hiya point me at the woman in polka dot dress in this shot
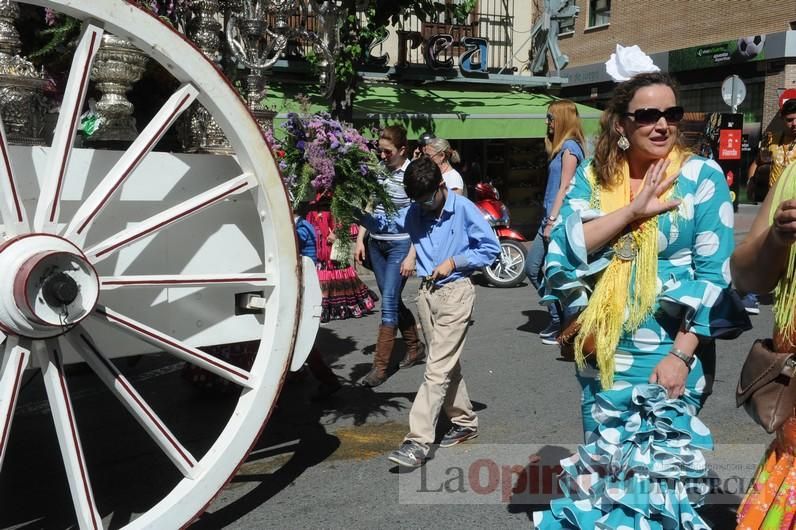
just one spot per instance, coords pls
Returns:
(641, 256)
(770, 502)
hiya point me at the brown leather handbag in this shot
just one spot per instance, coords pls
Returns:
(566, 340)
(767, 388)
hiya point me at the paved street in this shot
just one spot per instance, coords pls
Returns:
(327, 466)
(324, 465)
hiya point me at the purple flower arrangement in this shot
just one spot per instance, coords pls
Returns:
(323, 159)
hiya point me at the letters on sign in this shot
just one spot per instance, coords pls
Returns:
(475, 48)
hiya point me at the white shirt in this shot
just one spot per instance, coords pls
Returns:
(453, 180)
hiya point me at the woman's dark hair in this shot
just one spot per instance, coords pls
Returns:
(789, 107)
(607, 155)
(422, 176)
(395, 134)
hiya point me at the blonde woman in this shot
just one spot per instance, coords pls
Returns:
(564, 144)
(440, 151)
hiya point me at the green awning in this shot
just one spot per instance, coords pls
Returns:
(450, 114)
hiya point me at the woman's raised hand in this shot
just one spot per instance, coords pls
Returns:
(784, 227)
(648, 201)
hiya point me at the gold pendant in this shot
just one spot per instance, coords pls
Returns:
(626, 247)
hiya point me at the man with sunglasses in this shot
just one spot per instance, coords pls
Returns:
(451, 240)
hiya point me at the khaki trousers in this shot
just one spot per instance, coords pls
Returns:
(445, 318)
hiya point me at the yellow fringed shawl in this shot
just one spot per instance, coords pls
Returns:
(611, 309)
(785, 292)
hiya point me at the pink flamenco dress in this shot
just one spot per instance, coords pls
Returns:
(344, 294)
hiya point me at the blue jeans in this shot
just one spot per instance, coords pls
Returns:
(386, 258)
(533, 268)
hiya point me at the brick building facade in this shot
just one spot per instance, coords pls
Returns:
(664, 26)
(700, 43)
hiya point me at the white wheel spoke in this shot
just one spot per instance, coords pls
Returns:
(184, 280)
(13, 365)
(130, 160)
(15, 219)
(133, 401)
(175, 346)
(179, 212)
(50, 360)
(46, 217)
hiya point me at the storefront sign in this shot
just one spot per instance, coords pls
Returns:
(436, 46)
(729, 150)
(729, 52)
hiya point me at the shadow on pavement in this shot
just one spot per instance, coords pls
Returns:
(537, 484)
(295, 439)
(537, 320)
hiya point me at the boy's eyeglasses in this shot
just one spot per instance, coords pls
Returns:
(651, 116)
(430, 201)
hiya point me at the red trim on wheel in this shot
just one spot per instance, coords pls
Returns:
(181, 282)
(75, 440)
(73, 126)
(12, 404)
(15, 196)
(122, 381)
(169, 220)
(22, 282)
(207, 359)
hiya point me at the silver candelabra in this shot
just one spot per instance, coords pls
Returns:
(259, 34)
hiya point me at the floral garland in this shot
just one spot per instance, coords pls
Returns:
(324, 159)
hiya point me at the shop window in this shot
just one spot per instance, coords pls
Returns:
(599, 13)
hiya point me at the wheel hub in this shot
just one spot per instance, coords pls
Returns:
(50, 286)
(59, 289)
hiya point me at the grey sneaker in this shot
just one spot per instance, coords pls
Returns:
(552, 330)
(410, 454)
(458, 434)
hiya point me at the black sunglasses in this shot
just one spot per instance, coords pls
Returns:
(650, 116)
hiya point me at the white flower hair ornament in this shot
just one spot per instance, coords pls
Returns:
(627, 62)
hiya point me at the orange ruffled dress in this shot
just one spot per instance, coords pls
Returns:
(770, 502)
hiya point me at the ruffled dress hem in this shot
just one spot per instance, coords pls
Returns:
(643, 468)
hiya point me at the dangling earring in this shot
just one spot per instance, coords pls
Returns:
(623, 143)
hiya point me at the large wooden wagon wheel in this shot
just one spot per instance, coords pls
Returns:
(58, 289)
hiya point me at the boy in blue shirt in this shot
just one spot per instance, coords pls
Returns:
(451, 239)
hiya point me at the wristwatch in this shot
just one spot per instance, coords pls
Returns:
(689, 360)
(552, 218)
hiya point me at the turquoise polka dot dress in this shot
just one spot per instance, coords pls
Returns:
(642, 465)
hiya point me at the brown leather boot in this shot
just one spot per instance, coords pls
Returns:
(381, 357)
(415, 349)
